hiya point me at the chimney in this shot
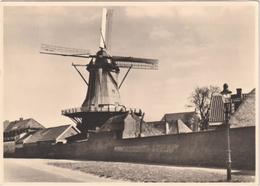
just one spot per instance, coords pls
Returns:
(6, 123)
(20, 119)
(239, 92)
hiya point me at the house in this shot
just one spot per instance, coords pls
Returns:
(238, 98)
(190, 119)
(48, 136)
(170, 126)
(126, 125)
(16, 129)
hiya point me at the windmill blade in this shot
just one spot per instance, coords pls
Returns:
(103, 29)
(106, 28)
(109, 19)
(67, 55)
(135, 59)
(135, 63)
(64, 51)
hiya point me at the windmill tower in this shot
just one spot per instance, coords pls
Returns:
(103, 98)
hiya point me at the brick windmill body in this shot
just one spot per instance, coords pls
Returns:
(103, 98)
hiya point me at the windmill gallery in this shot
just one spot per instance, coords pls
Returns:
(108, 130)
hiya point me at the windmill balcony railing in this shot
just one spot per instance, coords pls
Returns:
(101, 108)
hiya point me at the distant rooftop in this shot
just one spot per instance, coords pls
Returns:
(23, 124)
(50, 134)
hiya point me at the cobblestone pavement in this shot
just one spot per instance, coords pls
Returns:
(135, 172)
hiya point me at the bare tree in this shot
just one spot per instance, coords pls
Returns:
(200, 98)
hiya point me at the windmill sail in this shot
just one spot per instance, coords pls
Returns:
(103, 29)
(106, 28)
(135, 63)
(63, 51)
(109, 28)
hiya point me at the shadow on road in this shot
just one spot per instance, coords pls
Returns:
(244, 172)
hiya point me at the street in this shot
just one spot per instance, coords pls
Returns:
(50, 170)
(37, 170)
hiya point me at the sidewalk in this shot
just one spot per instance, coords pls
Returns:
(135, 172)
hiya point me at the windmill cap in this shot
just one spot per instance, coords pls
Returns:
(101, 53)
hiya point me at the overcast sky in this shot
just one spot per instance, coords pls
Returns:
(196, 45)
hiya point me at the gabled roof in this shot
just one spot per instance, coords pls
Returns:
(49, 134)
(184, 116)
(23, 124)
(245, 114)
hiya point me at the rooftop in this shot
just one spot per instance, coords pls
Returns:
(49, 134)
(23, 124)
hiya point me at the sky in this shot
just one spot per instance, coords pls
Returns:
(196, 45)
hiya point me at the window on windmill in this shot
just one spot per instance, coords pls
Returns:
(113, 90)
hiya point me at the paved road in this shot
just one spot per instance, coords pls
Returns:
(37, 170)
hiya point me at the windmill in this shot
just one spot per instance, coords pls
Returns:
(103, 98)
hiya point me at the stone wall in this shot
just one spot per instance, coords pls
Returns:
(9, 148)
(196, 149)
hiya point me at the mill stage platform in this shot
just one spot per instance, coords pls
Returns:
(89, 118)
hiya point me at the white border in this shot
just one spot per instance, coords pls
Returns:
(201, 3)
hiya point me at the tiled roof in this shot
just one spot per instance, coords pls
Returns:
(23, 124)
(47, 134)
